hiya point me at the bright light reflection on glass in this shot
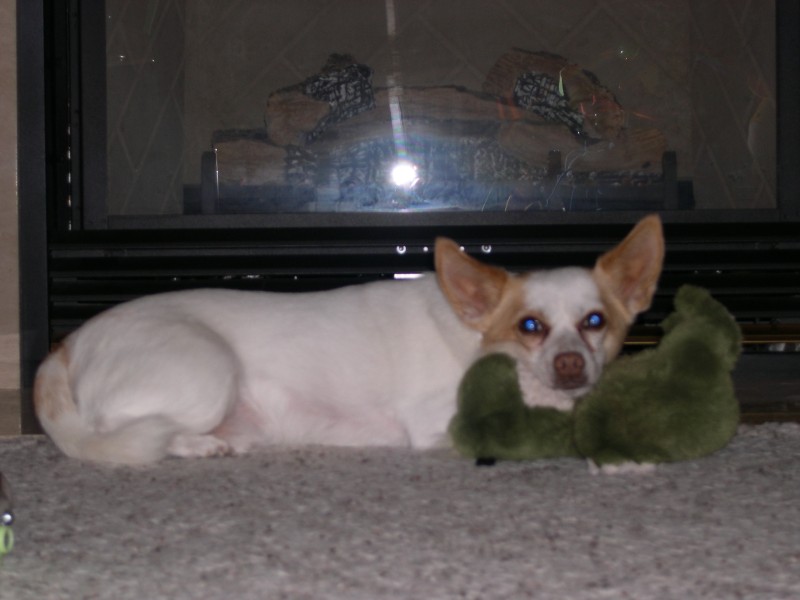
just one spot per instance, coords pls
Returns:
(404, 174)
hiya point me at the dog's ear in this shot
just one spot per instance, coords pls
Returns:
(473, 288)
(630, 271)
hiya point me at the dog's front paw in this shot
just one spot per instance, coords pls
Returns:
(623, 468)
(198, 446)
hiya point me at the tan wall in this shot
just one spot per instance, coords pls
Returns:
(9, 252)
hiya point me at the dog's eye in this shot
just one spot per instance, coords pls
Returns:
(531, 325)
(594, 320)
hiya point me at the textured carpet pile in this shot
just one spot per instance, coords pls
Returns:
(371, 524)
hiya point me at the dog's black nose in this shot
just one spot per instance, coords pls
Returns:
(569, 369)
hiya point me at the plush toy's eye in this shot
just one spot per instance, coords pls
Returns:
(594, 320)
(531, 325)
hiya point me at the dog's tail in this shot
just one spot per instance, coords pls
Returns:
(139, 441)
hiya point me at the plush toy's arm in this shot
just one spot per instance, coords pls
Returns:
(493, 422)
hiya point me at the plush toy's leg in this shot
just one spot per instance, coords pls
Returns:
(675, 401)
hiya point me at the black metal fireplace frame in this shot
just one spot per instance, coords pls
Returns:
(73, 265)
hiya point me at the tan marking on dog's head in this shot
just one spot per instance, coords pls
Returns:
(512, 308)
(558, 300)
(618, 322)
(51, 394)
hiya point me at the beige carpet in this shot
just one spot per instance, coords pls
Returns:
(357, 524)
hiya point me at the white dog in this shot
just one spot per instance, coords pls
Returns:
(209, 372)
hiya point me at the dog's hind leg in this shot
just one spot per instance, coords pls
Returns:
(191, 445)
(137, 441)
(106, 398)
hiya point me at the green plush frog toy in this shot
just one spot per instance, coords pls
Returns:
(672, 402)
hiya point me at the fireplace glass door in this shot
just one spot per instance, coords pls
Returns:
(394, 106)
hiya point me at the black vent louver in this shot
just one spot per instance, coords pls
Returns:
(757, 275)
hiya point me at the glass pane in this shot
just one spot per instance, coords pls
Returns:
(412, 105)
